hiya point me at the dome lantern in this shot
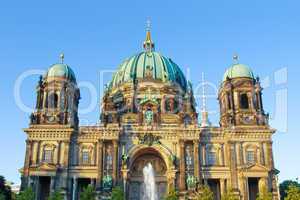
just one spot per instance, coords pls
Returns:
(61, 70)
(237, 70)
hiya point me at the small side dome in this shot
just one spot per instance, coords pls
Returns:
(238, 70)
(61, 70)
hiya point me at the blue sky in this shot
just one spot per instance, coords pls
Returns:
(198, 35)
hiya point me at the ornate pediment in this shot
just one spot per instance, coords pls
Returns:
(254, 167)
(45, 167)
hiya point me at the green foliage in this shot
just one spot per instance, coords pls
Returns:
(5, 190)
(293, 193)
(88, 193)
(27, 194)
(172, 195)
(205, 193)
(2, 196)
(283, 187)
(264, 195)
(56, 195)
(229, 195)
(117, 193)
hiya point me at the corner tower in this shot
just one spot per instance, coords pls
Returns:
(240, 97)
(57, 97)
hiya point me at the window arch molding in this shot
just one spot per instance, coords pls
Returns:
(250, 153)
(213, 154)
(48, 152)
(86, 154)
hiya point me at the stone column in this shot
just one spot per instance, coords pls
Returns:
(37, 187)
(34, 153)
(196, 159)
(261, 157)
(38, 152)
(125, 179)
(182, 167)
(221, 154)
(27, 157)
(222, 186)
(204, 154)
(99, 163)
(238, 154)
(74, 188)
(66, 154)
(242, 187)
(59, 152)
(115, 162)
(52, 184)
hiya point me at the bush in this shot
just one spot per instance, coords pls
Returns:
(283, 187)
(229, 195)
(56, 195)
(5, 190)
(293, 193)
(172, 195)
(88, 193)
(27, 194)
(117, 193)
(205, 193)
(264, 195)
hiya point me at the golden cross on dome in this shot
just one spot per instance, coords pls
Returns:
(148, 44)
(148, 25)
(62, 57)
(236, 58)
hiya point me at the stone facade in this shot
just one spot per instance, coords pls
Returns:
(148, 119)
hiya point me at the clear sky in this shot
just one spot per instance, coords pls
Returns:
(200, 36)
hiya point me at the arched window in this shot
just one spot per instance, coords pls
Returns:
(228, 100)
(48, 154)
(211, 158)
(85, 157)
(244, 101)
(53, 100)
(250, 156)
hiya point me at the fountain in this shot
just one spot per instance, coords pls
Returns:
(149, 183)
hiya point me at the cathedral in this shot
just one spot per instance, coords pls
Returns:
(148, 116)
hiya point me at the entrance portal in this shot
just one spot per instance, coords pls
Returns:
(44, 186)
(136, 181)
(253, 188)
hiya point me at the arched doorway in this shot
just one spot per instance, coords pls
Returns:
(136, 180)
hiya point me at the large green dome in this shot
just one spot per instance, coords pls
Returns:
(238, 71)
(138, 67)
(61, 70)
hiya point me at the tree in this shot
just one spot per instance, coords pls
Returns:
(56, 195)
(293, 193)
(2, 196)
(205, 193)
(88, 193)
(27, 194)
(172, 195)
(5, 190)
(117, 193)
(283, 187)
(229, 195)
(264, 195)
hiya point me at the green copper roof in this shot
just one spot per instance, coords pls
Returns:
(238, 71)
(149, 63)
(61, 70)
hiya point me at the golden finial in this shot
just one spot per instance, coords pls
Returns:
(148, 44)
(62, 57)
(236, 58)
